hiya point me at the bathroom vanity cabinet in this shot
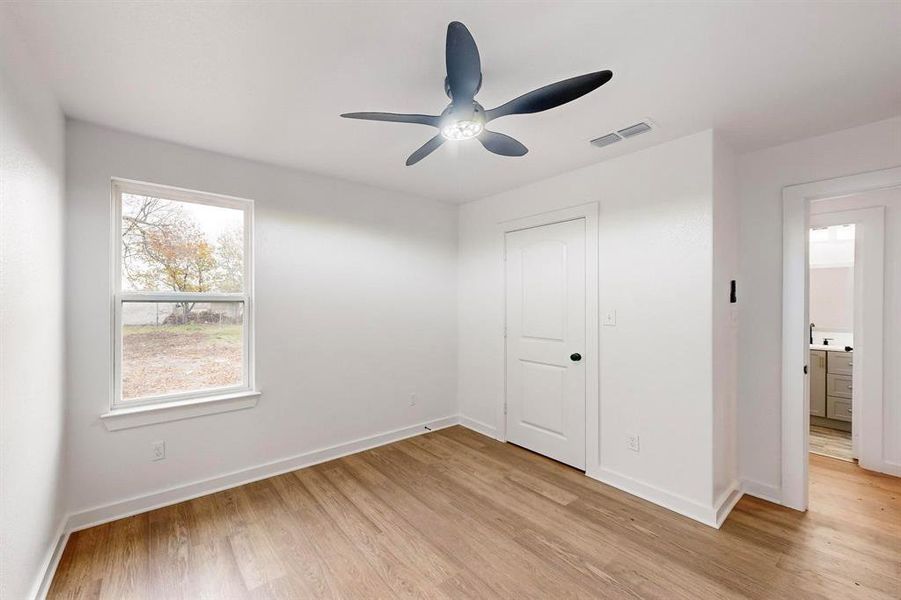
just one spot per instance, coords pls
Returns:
(831, 385)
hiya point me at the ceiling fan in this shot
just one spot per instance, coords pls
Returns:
(464, 118)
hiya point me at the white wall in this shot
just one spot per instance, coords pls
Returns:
(656, 271)
(725, 319)
(832, 252)
(355, 310)
(831, 300)
(831, 286)
(31, 317)
(762, 175)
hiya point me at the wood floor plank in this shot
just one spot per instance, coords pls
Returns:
(405, 540)
(348, 573)
(126, 573)
(494, 558)
(366, 536)
(537, 510)
(831, 442)
(454, 514)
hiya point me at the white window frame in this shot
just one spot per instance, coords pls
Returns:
(119, 297)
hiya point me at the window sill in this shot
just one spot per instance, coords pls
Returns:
(151, 414)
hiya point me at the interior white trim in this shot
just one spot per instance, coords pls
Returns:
(479, 427)
(150, 414)
(891, 468)
(589, 212)
(764, 491)
(726, 502)
(118, 296)
(139, 504)
(795, 318)
(51, 562)
(713, 515)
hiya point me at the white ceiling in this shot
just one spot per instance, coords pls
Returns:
(267, 81)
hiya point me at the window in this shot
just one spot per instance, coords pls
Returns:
(182, 294)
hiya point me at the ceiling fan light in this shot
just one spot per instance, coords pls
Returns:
(462, 130)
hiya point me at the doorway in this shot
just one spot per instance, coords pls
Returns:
(832, 298)
(874, 414)
(546, 288)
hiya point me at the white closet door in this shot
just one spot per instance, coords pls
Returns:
(545, 298)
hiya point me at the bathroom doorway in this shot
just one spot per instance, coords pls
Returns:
(860, 382)
(831, 307)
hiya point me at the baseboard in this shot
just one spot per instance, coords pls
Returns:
(51, 560)
(885, 467)
(132, 506)
(713, 516)
(678, 504)
(891, 468)
(478, 427)
(764, 491)
(139, 504)
(726, 502)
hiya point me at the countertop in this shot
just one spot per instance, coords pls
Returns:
(830, 347)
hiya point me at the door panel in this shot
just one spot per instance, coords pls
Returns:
(545, 299)
(543, 290)
(543, 394)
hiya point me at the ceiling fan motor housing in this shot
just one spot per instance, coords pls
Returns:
(469, 111)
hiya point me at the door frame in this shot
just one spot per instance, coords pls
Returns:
(589, 212)
(796, 202)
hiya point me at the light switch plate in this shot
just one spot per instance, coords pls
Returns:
(609, 319)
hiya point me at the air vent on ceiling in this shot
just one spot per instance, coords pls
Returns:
(606, 140)
(626, 132)
(634, 129)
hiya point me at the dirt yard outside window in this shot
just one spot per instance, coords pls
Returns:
(168, 359)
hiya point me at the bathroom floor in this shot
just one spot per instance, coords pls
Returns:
(831, 442)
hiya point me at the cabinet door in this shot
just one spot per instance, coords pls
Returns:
(838, 408)
(838, 385)
(818, 383)
(840, 363)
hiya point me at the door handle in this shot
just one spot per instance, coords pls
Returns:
(575, 357)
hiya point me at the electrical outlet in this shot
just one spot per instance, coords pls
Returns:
(413, 399)
(632, 442)
(157, 451)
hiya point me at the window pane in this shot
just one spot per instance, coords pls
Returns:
(175, 347)
(169, 245)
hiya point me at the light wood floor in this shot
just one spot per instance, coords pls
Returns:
(453, 514)
(831, 442)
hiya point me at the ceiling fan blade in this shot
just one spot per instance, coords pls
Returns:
(394, 118)
(551, 96)
(501, 144)
(426, 149)
(464, 69)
